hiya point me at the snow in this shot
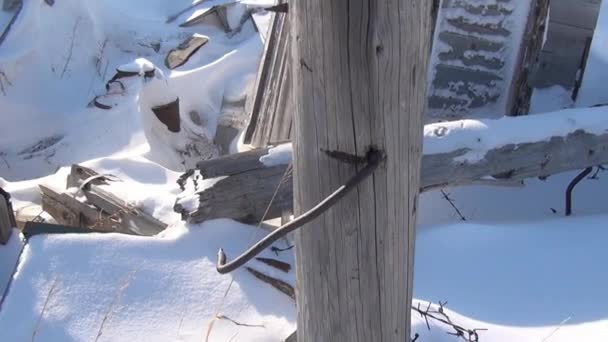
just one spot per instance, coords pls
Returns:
(140, 65)
(515, 267)
(549, 99)
(147, 289)
(481, 136)
(278, 155)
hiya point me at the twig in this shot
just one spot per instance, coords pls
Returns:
(44, 306)
(451, 201)
(278, 264)
(71, 49)
(597, 171)
(276, 283)
(124, 284)
(556, 329)
(439, 315)
(4, 79)
(224, 317)
(276, 250)
(217, 313)
(3, 156)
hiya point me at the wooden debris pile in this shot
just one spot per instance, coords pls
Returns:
(87, 204)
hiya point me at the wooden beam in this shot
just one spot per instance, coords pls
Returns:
(269, 107)
(510, 163)
(359, 70)
(520, 91)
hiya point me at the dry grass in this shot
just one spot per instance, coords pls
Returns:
(44, 308)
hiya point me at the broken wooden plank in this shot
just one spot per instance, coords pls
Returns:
(69, 211)
(8, 27)
(38, 228)
(293, 337)
(131, 218)
(232, 164)
(248, 193)
(269, 107)
(218, 10)
(245, 197)
(278, 264)
(182, 53)
(103, 211)
(7, 217)
(276, 283)
(520, 90)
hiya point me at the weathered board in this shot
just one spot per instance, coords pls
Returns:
(477, 54)
(478, 67)
(249, 186)
(269, 107)
(520, 93)
(571, 26)
(6, 220)
(102, 211)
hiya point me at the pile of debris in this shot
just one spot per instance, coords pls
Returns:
(87, 205)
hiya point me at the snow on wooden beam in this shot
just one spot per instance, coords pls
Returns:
(455, 153)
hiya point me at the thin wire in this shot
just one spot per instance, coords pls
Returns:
(287, 172)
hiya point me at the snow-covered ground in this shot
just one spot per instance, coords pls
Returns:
(516, 267)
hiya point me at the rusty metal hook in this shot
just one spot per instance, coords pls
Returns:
(374, 158)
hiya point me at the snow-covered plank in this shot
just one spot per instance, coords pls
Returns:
(476, 54)
(463, 152)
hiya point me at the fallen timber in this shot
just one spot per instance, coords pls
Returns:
(467, 152)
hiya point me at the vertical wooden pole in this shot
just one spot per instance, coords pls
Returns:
(359, 80)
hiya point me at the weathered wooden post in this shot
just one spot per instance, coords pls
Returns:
(359, 69)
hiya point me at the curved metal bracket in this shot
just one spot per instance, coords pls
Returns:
(374, 158)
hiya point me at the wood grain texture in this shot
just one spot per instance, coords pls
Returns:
(359, 80)
(520, 91)
(5, 223)
(232, 196)
(270, 106)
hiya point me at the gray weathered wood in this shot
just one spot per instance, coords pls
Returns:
(134, 219)
(103, 211)
(227, 199)
(5, 222)
(9, 5)
(69, 211)
(232, 164)
(509, 164)
(180, 55)
(520, 91)
(293, 337)
(359, 71)
(571, 24)
(220, 12)
(7, 28)
(270, 108)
